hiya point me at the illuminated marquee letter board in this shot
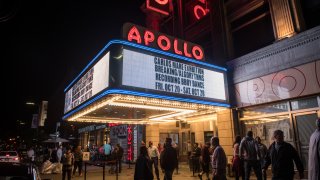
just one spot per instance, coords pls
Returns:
(167, 75)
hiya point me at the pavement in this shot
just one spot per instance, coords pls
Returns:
(96, 173)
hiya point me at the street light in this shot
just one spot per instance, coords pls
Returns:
(30, 103)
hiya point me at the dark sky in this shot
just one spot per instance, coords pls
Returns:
(47, 43)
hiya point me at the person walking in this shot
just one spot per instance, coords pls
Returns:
(67, 162)
(154, 155)
(314, 154)
(205, 161)
(281, 156)
(59, 154)
(143, 167)
(30, 154)
(168, 159)
(263, 151)
(196, 153)
(249, 152)
(107, 150)
(119, 157)
(160, 147)
(77, 161)
(176, 147)
(101, 153)
(189, 151)
(237, 163)
(218, 161)
(113, 160)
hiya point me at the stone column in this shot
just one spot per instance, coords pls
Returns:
(226, 132)
(152, 134)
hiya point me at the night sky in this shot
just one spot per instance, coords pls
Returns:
(45, 44)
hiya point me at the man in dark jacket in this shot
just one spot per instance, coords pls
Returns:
(119, 157)
(281, 156)
(168, 159)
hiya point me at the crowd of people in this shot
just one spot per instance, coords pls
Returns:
(72, 161)
(168, 155)
(249, 153)
(149, 157)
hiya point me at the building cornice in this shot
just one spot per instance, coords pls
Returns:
(290, 52)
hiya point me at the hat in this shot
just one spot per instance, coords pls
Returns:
(168, 140)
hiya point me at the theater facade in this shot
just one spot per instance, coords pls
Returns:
(147, 87)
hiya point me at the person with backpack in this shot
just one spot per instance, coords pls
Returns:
(249, 152)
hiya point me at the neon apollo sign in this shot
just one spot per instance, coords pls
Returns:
(140, 35)
(163, 7)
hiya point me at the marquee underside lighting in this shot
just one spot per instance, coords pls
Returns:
(133, 109)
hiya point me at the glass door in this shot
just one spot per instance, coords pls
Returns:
(305, 126)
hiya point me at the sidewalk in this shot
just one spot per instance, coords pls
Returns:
(95, 173)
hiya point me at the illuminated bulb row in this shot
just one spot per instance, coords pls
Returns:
(146, 106)
(167, 102)
(156, 101)
(206, 118)
(90, 109)
(171, 115)
(146, 103)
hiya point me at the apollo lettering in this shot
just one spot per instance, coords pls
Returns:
(165, 43)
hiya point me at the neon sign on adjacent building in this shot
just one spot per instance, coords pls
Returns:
(141, 35)
(200, 10)
(159, 6)
(130, 144)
